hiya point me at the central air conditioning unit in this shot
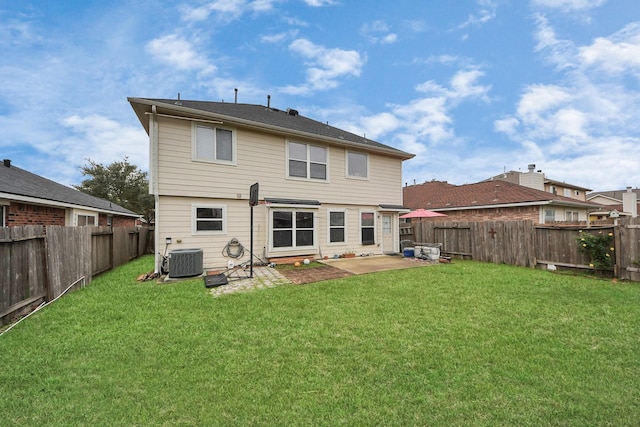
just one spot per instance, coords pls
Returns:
(185, 262)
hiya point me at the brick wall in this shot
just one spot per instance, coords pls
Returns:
(122, 221)
(24, 214)
(497, 214)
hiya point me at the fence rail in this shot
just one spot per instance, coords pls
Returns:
(38, 263)
(526, 244)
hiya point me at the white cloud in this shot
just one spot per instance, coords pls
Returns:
(617, 54)
(463, 85)
(319, 3)
(590, 116)
(378, 32)
(508, 125)
(486, 13)
(103, 140)
(279, 37)
(561, 53)
(179, 53)
(225, 10)
(569, 5)
(324, 66)
(425, 123)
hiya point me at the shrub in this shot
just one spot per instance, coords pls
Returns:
(598, 247)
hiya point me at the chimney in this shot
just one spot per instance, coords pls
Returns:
(531, 167)
(7, 162)
(630, 202)
(236, 91)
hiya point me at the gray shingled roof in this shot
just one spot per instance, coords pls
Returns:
(19, 182)
(272, 117)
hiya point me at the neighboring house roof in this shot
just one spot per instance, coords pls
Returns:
(565, 185)
(614, 194)
(605, 209)
(19, 184)
(267, 118)
(441, 196)
(514, 177)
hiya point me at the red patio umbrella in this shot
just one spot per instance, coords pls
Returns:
(422, 213)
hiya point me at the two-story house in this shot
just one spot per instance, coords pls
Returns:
(322, 191)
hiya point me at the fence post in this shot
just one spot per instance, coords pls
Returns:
(617, 248)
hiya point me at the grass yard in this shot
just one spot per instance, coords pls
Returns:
(458, 344)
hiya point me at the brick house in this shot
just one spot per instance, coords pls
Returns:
(29, 199)
(495, 200)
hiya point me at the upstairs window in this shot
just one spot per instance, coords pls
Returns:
(357, 165)
(213, 144)
(307, 161)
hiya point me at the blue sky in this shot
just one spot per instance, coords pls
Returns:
(472, 87)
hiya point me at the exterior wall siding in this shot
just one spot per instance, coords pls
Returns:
(179, 175)
(177, 223)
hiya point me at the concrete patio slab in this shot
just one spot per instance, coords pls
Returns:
(374, 263)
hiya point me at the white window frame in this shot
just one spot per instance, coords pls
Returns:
(329, 227)
(308, 162)
(294, 247)
(360, 226)
(547, 218)
(194, 219)
(86, 215)
(347, 169)
(566, 192)
(575, 215)
(194, 144)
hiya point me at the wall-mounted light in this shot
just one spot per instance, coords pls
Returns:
(168, 240)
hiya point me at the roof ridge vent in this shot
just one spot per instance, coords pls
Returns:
(292, 112)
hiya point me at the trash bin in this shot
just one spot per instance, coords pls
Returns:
(408, 252)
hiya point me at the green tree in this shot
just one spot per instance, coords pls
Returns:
(119, 182)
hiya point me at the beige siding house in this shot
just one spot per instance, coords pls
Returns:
(322, 191)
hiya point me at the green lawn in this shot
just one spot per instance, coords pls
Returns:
(458, 344)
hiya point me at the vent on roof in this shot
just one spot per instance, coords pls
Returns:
(7, 162)
(292, 112)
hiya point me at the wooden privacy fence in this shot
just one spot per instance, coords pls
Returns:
(39, 263)
(525, 244)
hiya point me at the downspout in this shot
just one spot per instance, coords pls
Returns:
(153, 184)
